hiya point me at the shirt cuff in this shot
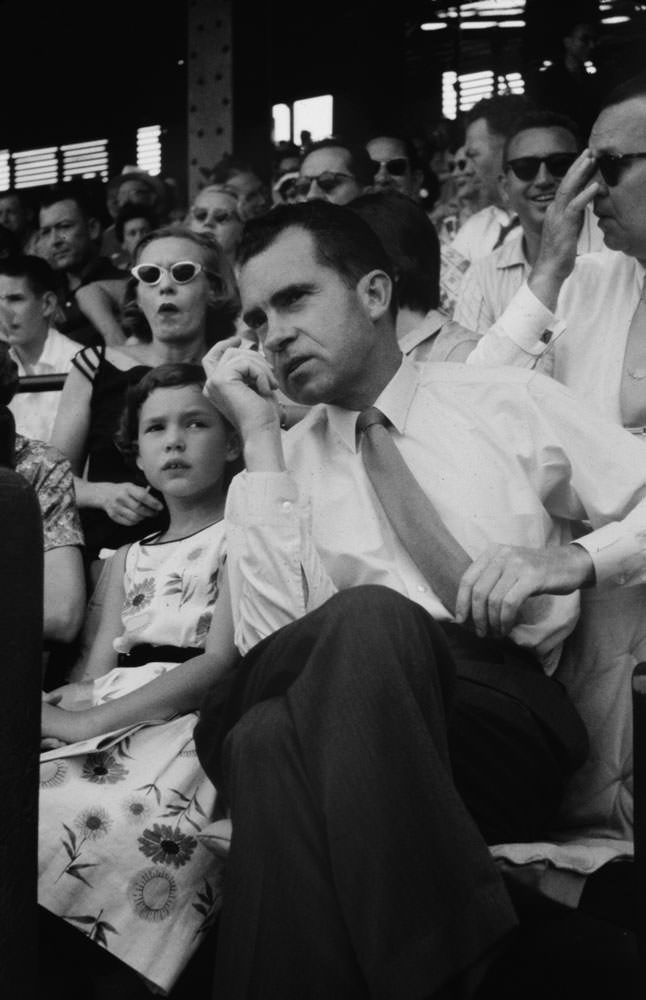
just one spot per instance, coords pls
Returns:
(526, 320)
(262, 498)
(618, 555)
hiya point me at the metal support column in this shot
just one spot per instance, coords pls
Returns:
(210, 86)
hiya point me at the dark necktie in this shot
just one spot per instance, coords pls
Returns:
(429, 543)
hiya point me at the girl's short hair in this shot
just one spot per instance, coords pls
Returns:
(224, 304)
(169, 376)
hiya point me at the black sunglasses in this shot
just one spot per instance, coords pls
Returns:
(526, 167)
(328, 181)
(612, 165)
(396, 167)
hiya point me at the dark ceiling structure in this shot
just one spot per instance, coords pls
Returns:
(76, 70)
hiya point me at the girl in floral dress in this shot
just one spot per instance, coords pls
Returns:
(123, 798)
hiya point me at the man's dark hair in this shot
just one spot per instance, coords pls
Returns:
(343, 242)
(70, 192)
(134, 211)
(541, 119)
(411, 242)
(40, 276)
(635, 87)
(410, 149)
(362, 167)
(500, 113)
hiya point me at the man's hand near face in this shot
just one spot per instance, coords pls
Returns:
(561, 229)
(241, 384)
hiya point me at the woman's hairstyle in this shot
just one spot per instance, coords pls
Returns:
(410, 240)
(169, 376)
(224, 304)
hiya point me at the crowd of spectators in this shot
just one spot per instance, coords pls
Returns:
(451, 285)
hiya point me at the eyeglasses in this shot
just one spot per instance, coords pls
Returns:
(328, 182)
(526, 167)
(612, 165)
(219, 218)
(460, 164)
(182, 271)
(396, 167)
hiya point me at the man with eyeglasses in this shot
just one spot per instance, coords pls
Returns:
(590, 311)
(335, 171)
(397, 165)
(537, 155)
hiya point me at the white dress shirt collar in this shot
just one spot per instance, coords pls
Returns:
(394, 402)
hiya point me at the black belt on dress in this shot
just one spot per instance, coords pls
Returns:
(147, 653)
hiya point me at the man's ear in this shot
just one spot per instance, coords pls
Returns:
(375, 292)
(234, 446)
(138, 461)
(49, 304)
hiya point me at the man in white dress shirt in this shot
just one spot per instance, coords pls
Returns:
(365, 714)
(593, 306)
(28, 296)
(542, 147)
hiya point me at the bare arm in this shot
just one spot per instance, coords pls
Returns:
(125, 503)
(101, 303)
(64, 604)
(176, 692)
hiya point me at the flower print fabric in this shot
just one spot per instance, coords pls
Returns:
(119, 855)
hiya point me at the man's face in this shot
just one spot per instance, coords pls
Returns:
(25, 314)
(530, 198)
(484, 148)
(65, 236)
(394, 169)
(12, 216)
(315, 330)
(622, 208)
(329, 175)
(135, 192)
(250, 192)
(133, 231)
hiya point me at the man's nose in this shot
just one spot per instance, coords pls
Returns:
(277, 335)
(544, 178)
(382, 177)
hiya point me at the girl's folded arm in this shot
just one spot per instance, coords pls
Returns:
(174, 693)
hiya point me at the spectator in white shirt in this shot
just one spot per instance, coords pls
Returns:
(29, 299)
(592, 305)
(332, 745)
(542, 147)
(488, 124)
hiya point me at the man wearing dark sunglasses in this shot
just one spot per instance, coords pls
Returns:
(537, 155)
(594, 306)
(396, 164)
(335, 171)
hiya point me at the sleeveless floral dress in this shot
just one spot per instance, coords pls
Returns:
(120, 856)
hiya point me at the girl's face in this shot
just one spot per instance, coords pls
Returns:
(183, 443)
(176, 312)
(216, 212)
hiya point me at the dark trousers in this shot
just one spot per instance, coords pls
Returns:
(357, 868)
